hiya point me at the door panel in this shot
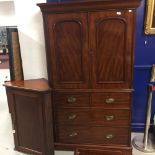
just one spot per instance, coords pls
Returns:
(28, 122)
(68, 50)
(111, 48)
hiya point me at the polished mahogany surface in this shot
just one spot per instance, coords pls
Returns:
(68, 53)
(111, 44)
(30, 107)
(89, 48)
(39, 85)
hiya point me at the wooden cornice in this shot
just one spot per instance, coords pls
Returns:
(87, 5)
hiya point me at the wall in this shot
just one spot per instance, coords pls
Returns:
(31, 36)
(144, 58)
(7, 14)
(27, 16)
(7, 18)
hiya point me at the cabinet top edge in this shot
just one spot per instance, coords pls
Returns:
(85, 5)
(38, 85)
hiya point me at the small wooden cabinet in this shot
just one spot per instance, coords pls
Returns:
(31, 112)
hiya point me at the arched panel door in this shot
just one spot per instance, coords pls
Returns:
(111, 49)
(67, 50)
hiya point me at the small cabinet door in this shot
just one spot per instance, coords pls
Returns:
(67, 50)
(31, 114)
(111, 46)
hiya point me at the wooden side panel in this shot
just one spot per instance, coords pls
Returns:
(68, 50)
(111, 45)
(110, 54)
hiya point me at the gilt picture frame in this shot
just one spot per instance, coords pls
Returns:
(150, 18)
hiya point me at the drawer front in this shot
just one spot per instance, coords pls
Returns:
(93, 117)
(111, 100)
(62, 100)
(92, 135)
(104, 151)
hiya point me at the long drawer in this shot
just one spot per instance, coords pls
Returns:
(111, 100)
(94, 135)
(105, 100)
(93, 117)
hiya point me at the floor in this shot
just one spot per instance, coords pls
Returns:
(6, 136)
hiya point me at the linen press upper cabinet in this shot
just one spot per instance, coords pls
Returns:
(90, 49)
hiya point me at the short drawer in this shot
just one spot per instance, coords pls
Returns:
(111, 100)
(92, 135)
(71, 99)
(93, 117)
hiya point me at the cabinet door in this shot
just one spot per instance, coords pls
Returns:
(111, 46)
(67, 50)
(31, 116)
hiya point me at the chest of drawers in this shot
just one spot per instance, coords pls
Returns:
(92, 118)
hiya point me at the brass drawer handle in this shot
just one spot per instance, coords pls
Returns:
(110, 118)
(73, 134)
(71, 117)
(71, 99)
(109, 136)
(110, 100)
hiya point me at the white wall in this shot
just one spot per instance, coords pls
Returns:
(27, 16)
(31, 36)
(7, 14)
